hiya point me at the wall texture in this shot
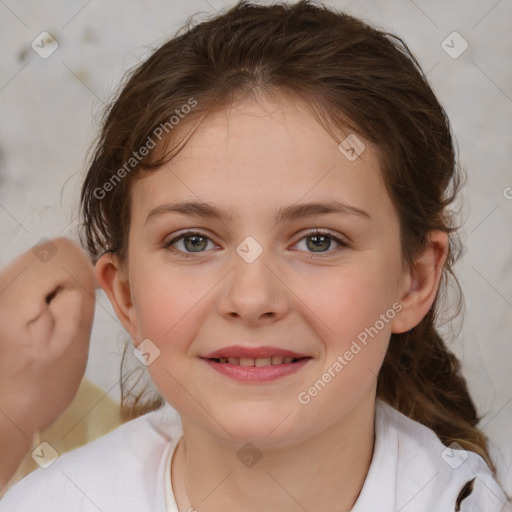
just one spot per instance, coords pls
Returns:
(50, 103)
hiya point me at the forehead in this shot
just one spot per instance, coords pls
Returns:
(260, 154)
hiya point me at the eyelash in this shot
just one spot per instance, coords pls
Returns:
(168, 244)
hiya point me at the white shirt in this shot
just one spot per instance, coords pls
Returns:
(129, 470)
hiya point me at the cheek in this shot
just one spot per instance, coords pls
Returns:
(167, 304)
(345, 302)
(353, 315)
(352, 312)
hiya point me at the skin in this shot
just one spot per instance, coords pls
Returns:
(46, 314)
(252, 159)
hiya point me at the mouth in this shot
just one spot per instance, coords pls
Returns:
(257, 370)
(258, 362)
(255, 364)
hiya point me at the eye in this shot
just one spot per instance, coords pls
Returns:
(188, 243)
(318, 241)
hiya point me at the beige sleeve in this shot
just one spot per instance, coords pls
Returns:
(91, 414)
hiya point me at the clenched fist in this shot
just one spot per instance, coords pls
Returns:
(47, 298)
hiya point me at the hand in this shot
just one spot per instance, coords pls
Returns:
(46, 314)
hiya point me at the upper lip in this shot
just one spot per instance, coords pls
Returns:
(252, 352)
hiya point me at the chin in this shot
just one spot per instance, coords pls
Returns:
(261, 425)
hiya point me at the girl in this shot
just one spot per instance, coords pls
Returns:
(268, 209)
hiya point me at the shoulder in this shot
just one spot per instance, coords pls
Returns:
(430, 473)
(118, 471)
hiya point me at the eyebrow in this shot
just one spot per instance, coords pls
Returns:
(287, 213)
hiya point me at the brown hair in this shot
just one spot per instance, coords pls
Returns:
(352, 76)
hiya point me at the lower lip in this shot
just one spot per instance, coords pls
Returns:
(257, 373)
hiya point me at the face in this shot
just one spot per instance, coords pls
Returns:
(198, 283)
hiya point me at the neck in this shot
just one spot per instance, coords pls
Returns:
(326, 471)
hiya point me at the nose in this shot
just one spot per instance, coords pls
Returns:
(253, 293)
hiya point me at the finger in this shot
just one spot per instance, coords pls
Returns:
(40, 330)
(73, 313)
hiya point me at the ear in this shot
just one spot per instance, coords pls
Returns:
(421, 282)
(112, 279)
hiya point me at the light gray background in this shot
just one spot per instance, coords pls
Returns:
(49, 108)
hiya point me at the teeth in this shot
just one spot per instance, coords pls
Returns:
(261, 361)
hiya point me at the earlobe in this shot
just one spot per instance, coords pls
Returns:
(112, 279)
(421, 283)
